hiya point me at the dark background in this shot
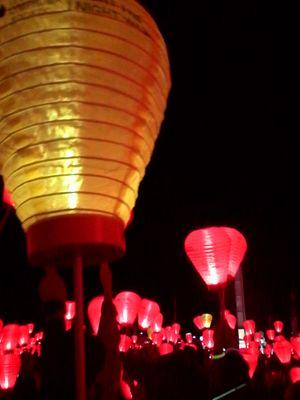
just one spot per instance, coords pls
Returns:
(227, 154)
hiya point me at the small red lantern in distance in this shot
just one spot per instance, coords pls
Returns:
(94, 313)
(270, 333)
(24, 335)
(127, 305)
(9, 369)
(148, 310)
(249, 326)
(295, 374)
(208, 338)
(176, 328)
(189, 337)
(268, 350)
(278, 325)
(295, 342)
(283, 350)
(198, 322)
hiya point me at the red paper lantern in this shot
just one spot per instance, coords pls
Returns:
(165, 348)
(94, 313)
(295, 342)
(209, 249)
(270, 333)
(9, 369)
(157, 338)
(134, 339)
(295, 374)
(10, 336)
(30, 328)
(148, 310)
(157, 322)
(24, 335)
(268, 350)
(70, 310)
(176, 328)
(251, 359)
(237, 250)
(208, 338)
(189, 337)
(198, 322)
(249, 326)
(257, 337)
(125, 343)
(230, 319)
(283, 350)
(127, 305)
(278, 325)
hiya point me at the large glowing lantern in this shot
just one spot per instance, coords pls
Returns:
(251, 358)
(94, 313)
(283, 350)
(9, 369)
(148, 310)
(278, 325)
(127, 305)
(83, 93)
(216, 253)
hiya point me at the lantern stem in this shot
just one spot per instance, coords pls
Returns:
(79, 331)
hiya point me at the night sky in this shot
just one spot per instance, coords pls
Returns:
(226, 155)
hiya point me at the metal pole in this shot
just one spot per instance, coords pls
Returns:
(80, 383)
(239, 298)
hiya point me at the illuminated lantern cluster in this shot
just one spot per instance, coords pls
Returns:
(76, 142)
(14, 340)
(216, 253)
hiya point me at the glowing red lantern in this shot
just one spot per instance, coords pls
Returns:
(198, 322)
(249, 326)
(251, 359)
(157, 338)
(30, 328)
(24, 335)
(295, 374)
(94, 313)
(189, 337)
(134, 339)
(165, 348)
(295, 342)
(283, 350)
(230, 319)
(278, 325)
(270, 333)
(127, 305)
(253, 347)
(176, 328)
(10, 336)
(257, 337)
(268, 350)
(237, 250)
(125, 343)
(208, 338)
(147, 312)
(9, 369)
(208, 249)
(157, 322)
(70, 310)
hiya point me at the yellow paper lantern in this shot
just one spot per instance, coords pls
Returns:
(83, 90)
(207, 320)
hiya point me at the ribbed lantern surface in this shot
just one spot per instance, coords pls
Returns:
(83, 89)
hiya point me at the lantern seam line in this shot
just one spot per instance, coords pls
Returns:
(146, 88)
(80, 157)
(75, 174)
(111, 53)
(82, 83)
(97, 32)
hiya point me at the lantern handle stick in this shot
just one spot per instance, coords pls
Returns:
(79, 330)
